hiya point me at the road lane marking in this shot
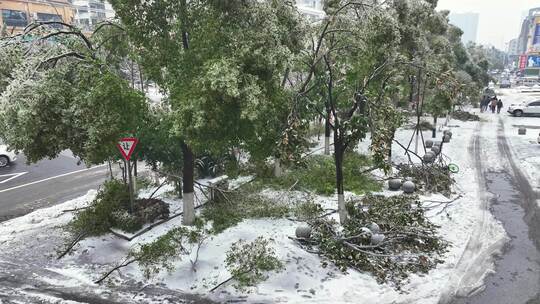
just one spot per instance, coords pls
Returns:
(50, 178)
(13, 176)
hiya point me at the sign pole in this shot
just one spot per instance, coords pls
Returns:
(130, 185)
(126, 147)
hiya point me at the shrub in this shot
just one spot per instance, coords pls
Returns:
(111, 209)
(249, 263)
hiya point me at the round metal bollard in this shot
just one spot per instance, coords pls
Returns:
(448, 132)
(394, 184)
(303, 232)
(429, 157)
(429, 143)
(377, 239)
(409, 187)
(436, 150)
(374, 228)
(446, 138)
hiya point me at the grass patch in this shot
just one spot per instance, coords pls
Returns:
(240, 205)
(319, 176)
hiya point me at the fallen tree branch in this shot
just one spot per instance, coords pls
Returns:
(79, 237)
(75, 209)
(159, 187)
(123, 264)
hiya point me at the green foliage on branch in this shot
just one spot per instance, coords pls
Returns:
(249, 263)
(411, 243)
(161, 254)
(55, 101)
(435, 178)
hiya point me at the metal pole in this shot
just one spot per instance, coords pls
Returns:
(130, 186)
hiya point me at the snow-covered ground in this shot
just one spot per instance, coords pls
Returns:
(473, 232)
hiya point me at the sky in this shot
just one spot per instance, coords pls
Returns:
(499, 20)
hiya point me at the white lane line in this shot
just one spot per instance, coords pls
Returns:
(50, 178)
(13, 176)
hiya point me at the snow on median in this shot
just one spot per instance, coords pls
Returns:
(473, 233)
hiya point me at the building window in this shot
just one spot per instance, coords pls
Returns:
(14, 18)
(49, 17)
(100, 6)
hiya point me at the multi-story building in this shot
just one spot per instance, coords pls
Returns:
(513, 47)
(88, 13)
(16, 14)
(529, 43)
(312, 9)
(468, 23)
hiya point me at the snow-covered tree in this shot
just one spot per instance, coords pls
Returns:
(61, 94)
(222, 64)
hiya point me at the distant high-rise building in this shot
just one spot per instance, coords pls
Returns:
(513, 47)
(468, 23)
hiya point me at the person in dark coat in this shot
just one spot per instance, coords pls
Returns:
(483, 104)
(499, 106)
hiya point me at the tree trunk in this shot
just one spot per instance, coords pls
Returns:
(434, 132)
(188, 181)
(278, 171)
(338, 160)
(327, 133)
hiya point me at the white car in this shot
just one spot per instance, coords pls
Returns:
(6, 157)
(525, 108)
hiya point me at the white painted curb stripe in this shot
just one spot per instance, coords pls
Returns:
(13, 176)
(50, 178)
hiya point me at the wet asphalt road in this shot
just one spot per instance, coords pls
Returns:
(517, 276)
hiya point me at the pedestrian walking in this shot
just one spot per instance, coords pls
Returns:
(499, 106)
(483, 104)
(493, 104)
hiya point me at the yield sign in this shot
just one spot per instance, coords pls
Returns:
(126, 146)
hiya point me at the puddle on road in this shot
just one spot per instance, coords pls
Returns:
(517, 276)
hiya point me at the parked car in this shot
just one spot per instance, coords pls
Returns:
(6, 157)
(525, 108)
(505, 83)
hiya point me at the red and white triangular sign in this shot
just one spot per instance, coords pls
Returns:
(127, 146)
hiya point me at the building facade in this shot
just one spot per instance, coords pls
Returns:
(528, 44)
(311, 9)
(89, 13)
(468, 23)
(17, 14)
